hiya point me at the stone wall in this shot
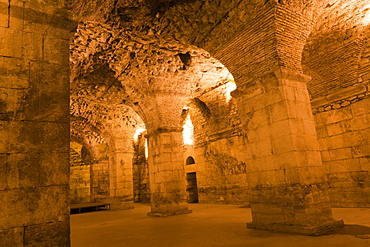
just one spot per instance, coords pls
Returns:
(80, 177)
(221, 173)
(34, 123)
(344, 137)
(80, 184)
(140, 171)
(219, 149)
(100, 176)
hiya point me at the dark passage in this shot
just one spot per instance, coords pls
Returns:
(192, 188)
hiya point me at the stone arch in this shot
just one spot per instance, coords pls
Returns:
(259, 61)
(332, 54)
(190, 160)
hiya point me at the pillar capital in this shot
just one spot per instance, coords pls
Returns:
(283, 73)
(161, 130)
(117, 151)
(281, 76)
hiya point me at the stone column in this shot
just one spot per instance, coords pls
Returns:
(34, 123)
(284, 167)
(121, 180)
(166, 172)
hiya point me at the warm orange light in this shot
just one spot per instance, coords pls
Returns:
(137, 133)
(230, 86)
(366, 19)
(188, 132)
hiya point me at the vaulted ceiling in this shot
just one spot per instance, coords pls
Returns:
(127, 54)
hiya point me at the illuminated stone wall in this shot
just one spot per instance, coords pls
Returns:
(344, 135)
(140, 171)
(218, 148)
(80, 184)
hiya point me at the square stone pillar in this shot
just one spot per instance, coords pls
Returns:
(166, 173)
(284, 167)
(34, 123)
(121, 180)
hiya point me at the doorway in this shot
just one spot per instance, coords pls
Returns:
(192, 188)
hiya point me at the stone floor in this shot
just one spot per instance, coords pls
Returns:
(208, 225)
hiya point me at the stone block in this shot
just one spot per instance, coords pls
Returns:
(266, 163)
(268, 178)
(47, 234)
(341, 153)
(359, 123)
(323, 144)
(16, 19)
(283, 144)
(353, 164)
(54, 169)
(311, 175)
(313, 158)
(4, 134)
(292, 176)
(360, 137)
(361, 151)
(283, 128)
(12, 237)
(309, 127)
(25, 169)
(54, 137)
(31, 206)
(365, 163)
(10, 43)
(280, 111)
(24, 137)
(337, 166)
(11, 101)
(338, 115)
(32, 46)
(335, 142)
(3, 171)
(53, 107)
(361, 107)
(290, 93)
(325, 155)
(261, 149)
(301, 142)
(51, 78)
(56, 51)
(4, 13)
(336, 128)
(289, 160)
(302, 96)
(14, 73)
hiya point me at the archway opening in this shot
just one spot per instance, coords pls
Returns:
(190, 161)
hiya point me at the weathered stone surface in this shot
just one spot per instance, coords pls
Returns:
(345, 148)
(12, 237)
(34, 125)
(137, 64)
(49, 234)
(166, 174)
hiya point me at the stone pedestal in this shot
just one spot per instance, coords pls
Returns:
(166, 173)
(121, 181)
(284, 167)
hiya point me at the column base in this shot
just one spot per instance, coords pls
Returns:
(160, 214)
(302, 230)
(120, 204)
